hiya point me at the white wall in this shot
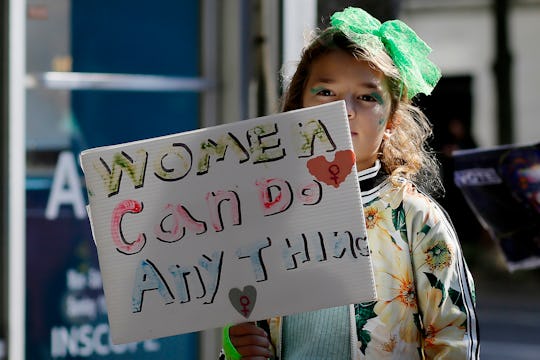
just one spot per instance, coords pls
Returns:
(299, 20)
(525, 46)
(462, 43)
(462, 37)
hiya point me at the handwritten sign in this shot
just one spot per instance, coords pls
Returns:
(235, 222)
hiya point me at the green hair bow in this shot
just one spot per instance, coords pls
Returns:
(406, 49)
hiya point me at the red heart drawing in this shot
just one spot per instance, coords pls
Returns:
(335, 172)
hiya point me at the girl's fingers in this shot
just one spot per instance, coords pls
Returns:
(246, 329)
(256, 340)
(254, 351)
(250, 341)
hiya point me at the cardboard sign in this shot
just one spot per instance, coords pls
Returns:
(232, 223)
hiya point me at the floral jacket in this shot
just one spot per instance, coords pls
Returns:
(426, 302)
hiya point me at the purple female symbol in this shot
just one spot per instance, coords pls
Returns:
(244, 301)
(334, 170)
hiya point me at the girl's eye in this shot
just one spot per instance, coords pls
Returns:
(367, 98)
(322, 92)
(326, 92)
(373, 97)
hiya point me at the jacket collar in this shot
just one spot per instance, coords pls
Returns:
(371, 178)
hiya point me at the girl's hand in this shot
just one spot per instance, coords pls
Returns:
(250, 341)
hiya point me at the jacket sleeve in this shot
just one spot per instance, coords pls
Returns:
(444, 286)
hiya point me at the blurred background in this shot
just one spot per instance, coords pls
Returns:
(79, 74)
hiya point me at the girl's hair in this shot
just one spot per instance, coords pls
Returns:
(405, 153)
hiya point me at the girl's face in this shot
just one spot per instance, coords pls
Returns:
(339, 76)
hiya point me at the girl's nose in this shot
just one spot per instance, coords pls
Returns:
(349, 104)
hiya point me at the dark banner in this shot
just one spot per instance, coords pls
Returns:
(502, 186)
(66, 309)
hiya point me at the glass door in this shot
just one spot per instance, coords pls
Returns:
(97, 73)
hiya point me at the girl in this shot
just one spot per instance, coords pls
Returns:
(425, 305)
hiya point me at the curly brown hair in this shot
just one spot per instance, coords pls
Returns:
(404, 154)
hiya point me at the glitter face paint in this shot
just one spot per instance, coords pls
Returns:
(380, 101)
(377, 97)
(316, 90)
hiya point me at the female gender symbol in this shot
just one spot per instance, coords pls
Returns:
(334, 170)
(244, 301)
